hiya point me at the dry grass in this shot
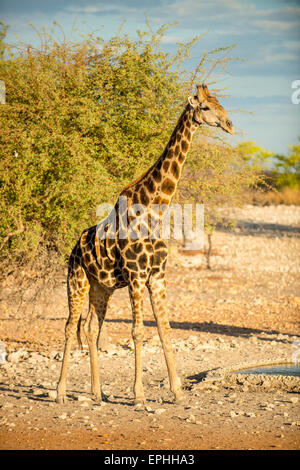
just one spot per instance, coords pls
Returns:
(287, 196)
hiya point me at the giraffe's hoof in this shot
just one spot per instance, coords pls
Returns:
(98, 400)
(61, 399)
(139, 401)
(180, 400)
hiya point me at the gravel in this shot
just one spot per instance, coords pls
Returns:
(239, 314)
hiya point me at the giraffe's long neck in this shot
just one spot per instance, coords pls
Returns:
(159, 183)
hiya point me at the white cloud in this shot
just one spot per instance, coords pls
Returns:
(237, 5)
(190, 7)
(275, 25)
(280, 57)
(294, 11)
(172, 39)
(291, 45)
(105, 8)
(86, 9)
(272, 53)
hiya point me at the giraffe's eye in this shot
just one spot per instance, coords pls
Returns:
(228, 123)
(206, 108)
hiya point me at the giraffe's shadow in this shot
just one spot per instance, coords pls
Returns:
(213, 328)
(22, 391)
(26, 391)
(260, 229)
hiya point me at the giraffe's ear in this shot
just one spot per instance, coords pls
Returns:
(193, 101)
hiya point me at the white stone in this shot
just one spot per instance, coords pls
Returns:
(52, 394)
(83, 398)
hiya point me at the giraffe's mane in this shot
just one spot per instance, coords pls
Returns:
(129, 185)
(137, 180)
(214, 100)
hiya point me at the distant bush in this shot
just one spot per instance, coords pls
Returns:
(287, 168)
(281, 174)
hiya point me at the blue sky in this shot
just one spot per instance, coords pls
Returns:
(267, 33)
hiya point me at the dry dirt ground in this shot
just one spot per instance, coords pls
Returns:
(244, 311)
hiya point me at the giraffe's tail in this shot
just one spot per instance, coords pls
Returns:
(79, 333)
(77, 292)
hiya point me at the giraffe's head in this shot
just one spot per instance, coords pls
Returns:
(207, 110)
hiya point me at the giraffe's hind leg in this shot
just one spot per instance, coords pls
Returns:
(98, 302)
(78, 287)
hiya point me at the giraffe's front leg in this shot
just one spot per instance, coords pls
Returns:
(157, 293)
(136, 290)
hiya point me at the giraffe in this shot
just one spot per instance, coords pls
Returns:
(98, 265)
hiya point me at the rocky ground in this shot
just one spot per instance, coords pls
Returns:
(242, 312)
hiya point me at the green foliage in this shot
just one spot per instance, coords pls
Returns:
(255, 156)
(288, 168)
